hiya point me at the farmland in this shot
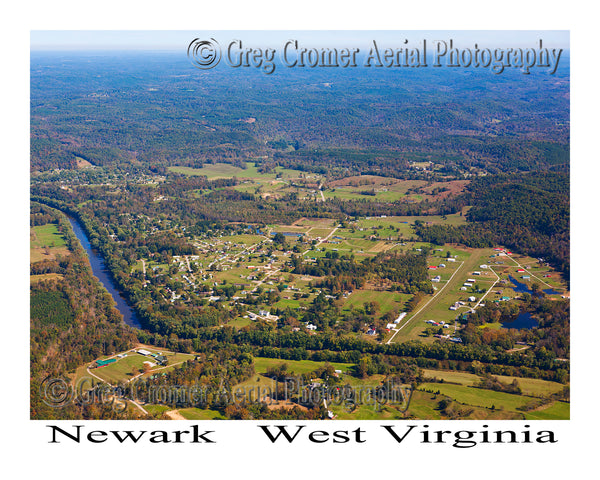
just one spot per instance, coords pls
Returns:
(438, 388)
(46, 243)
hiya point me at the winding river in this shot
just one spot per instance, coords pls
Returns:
(101, 273)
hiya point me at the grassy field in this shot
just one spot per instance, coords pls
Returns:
(490, 399)
(46, 243)
(476, 396)
(47, 235)
(553, 411)
(127, 367)
(529, 386)
(382, 189)
(200, 414)
(297, 366)
(425, 405)
(387, 300)
(156, 409)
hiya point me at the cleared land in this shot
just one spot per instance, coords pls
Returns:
(46, 243)
(125, 368)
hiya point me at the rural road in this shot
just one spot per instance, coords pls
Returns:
(430, 300)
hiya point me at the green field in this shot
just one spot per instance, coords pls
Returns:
(47, 236)
(156, 409)
(296, 366)
(259, 385)
(387, 300)
(200, 414)
(478, 397)
(125, 368)
(46, 243)
(553, 411)
(529, 386)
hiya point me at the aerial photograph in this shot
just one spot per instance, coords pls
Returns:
(299, 225)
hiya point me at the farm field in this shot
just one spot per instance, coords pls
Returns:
(261, 364)
(529, 386)
(505, 402)
(385, 189)
(281, 181)
(477, 397)
(46, 243)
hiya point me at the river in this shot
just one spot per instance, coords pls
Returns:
(101, 273)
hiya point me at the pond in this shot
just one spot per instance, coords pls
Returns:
(523, 321)
(524, 288)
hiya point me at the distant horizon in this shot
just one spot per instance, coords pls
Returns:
(148, 40)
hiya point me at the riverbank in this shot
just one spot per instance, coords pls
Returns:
(102, 273)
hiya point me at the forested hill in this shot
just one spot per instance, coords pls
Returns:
(526, 212)
(157, 110)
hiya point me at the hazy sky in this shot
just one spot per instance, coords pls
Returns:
(175, 40)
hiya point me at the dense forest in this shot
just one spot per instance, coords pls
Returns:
(155, 110)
